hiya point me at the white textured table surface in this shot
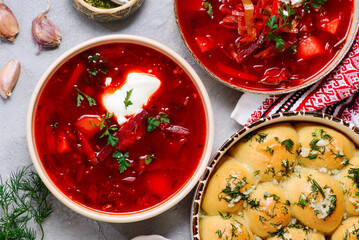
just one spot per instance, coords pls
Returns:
(155, 19)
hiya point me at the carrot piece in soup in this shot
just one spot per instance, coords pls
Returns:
(73, 79)
(235, 73)
(86, 125)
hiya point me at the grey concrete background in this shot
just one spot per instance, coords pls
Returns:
(155, 20)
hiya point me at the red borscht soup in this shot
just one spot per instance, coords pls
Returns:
(265, 44)
(120, 128)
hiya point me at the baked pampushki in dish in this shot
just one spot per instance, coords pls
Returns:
(284, 181)
(267, 151)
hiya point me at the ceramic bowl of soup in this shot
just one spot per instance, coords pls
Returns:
(292, 175)
(270, 46)
(120, 128)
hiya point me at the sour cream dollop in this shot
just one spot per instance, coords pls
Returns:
(143, 87)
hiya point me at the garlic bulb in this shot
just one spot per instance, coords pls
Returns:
(45, 32)
(9, 26)
(9, 75)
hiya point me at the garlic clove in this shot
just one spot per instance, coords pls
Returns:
(9, 75)
(9, 26)
(46, 33)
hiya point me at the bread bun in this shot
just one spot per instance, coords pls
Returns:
(305, 192)
(348, 230)
(233, 176)
(294, 233)
(349, 177)
(215, 227)
(270, 152)
(323, 147)
(272, 214)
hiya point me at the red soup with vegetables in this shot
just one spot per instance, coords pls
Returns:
(120, 128)
(265, 44)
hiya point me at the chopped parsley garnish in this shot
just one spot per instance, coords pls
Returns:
(288, 143)
(93, 58)
(270, 150)
(248, 137)
(127, 101)
(98, 64)
(287, 167)
(93, 72)
(276, 139)
(220, 233)
(314, 3)
(104, 124)
(270, 170)
(225, 217)
(208, 6)
(273, 25)
(234, 230)
(345, 162)
(154, 122)
(253, 203)
(80, 97)
(338, 154)
(53, 126)
(280, 234)
(313, 144)
(312, 156)
(320, 145)
(346, 234)
(149, 159)
(261, 137)
(353, 174)
(302, 203)
(122, 160)
(321, 134)
(354, 232)
(268, 195)
(293, 49)
(316, 187)
(233, 194)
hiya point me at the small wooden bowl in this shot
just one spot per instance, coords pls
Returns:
(106, 15)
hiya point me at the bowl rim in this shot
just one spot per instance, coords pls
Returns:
(175, 197)
(107, 10)
(336, 123)
(317, 77)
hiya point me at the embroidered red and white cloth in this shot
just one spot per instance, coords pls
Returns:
(337, 95)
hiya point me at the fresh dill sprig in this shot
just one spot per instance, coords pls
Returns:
(23, 198)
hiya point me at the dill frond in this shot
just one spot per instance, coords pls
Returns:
(23, 198)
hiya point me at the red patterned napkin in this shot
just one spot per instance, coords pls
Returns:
(337, 95)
